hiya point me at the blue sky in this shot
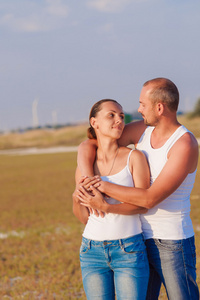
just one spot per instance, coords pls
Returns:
(66, 55)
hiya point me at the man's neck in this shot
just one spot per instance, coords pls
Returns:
(162, 132)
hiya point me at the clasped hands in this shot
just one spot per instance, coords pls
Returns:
(88, 192)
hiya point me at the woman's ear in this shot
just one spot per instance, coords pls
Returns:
(93, 122)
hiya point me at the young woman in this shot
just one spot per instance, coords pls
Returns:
(113, 254)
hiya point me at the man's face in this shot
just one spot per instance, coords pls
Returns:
(146, 108)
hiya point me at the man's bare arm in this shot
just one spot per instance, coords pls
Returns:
(132, 133)
(96, 200)
(182, 160)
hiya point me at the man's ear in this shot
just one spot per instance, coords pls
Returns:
(160, 108)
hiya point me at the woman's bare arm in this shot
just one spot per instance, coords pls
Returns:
(81, 212)
(86, 156)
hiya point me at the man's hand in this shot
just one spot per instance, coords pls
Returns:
(87, 182)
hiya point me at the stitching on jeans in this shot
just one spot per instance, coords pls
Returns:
(186, 277)
(192, 244)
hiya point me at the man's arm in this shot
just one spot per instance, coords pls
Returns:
(182, 160)
(132, 133)
(96, 200)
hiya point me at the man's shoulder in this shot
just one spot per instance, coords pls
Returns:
(187, 146)
(188, 139)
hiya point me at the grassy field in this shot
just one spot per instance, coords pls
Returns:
(39, 236)
(66, 136)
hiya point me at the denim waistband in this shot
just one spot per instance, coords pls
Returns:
(133, 238)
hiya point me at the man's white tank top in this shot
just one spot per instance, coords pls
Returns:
(114, 226)
(170, 219)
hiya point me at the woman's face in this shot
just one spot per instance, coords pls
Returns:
(109, 121)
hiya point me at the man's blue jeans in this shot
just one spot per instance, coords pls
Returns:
(172, 262)
(115, 267)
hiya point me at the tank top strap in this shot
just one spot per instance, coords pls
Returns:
(128, 159)
(181, 130)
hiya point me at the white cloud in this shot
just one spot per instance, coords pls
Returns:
(108, 5)
(57, 8)
(25, 24)
(107, 28)
(43, 17)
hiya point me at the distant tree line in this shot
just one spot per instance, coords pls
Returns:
(196, 111)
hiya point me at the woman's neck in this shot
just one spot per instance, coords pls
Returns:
(106, 150)
(105, 158)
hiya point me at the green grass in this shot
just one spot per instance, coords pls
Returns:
(39, 236)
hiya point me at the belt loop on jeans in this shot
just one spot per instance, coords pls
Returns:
(121, 243)
(89, 244)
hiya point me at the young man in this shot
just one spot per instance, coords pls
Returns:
(172, 153)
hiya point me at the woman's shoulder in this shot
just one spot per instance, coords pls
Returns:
(137, 154)
(127, 150)
(133, 151)
(123, 154)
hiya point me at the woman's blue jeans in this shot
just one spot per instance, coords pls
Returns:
(173, 263)
(115, 267)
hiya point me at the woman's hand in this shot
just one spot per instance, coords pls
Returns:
(85, 182)
(92, 198)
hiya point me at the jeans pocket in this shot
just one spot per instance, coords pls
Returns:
(129, 248)
(172, 245)
(84, 247)
(134, 247)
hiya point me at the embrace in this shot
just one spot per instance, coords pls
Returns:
(135, 203)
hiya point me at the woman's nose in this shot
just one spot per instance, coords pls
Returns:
(118, 120)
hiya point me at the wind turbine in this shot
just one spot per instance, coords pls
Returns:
(54, 117)
(35, 112)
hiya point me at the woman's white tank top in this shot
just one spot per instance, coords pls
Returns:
(114, 226)
(170, 219)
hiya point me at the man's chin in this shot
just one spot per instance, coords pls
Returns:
(147, 123)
